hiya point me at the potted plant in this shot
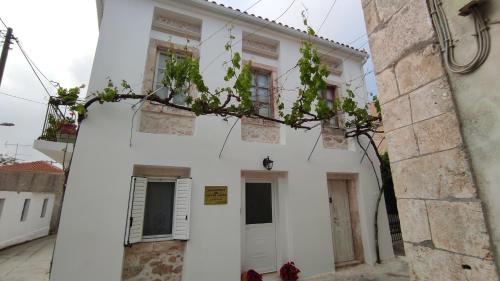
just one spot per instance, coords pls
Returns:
(66, 129)
(251, 275)
(289, 272)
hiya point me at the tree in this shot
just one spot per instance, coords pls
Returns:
(182, 74)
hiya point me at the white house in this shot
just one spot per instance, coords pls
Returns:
(148, 195)
(30, 201)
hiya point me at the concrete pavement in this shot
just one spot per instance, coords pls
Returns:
(31, 262)
(27, 262)
(393, 270)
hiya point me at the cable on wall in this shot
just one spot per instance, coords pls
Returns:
(446, 40)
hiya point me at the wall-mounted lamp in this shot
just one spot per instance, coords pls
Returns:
(268, 163)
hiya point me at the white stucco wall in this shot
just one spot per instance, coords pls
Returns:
(90, 240)
(12, 229)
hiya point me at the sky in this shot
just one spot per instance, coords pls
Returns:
(60, 37)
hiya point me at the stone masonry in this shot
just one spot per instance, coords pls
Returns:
(442, 217)
(158, 261)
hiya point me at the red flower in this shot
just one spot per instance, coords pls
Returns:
(289, 272)
(251, 275)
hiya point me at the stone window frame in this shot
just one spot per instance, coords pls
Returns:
(272, 93)
(156, 47)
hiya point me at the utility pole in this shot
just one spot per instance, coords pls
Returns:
(5, 52)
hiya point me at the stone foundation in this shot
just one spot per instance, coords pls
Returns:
(157, 261)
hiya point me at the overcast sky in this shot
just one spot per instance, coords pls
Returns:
(60, 36)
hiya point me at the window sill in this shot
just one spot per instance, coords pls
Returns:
(157, 238)
(259, 122)
(328, 130)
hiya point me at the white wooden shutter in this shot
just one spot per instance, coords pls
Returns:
(182, 206)
(135, 216)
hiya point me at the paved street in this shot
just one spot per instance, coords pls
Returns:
(31, 262)
(393, 270)
(27, 262)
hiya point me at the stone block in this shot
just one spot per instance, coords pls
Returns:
(433, 264)
(459, 227)
(387, 8)
(439, 175)
(431, 100)
(154, 261)
(396, 113)
(260, 133)
(387, 86)
(334, 141)
(402, 144)
(438, 133)
(166, 123)
(409, 27)
(413, 219)
(371, 17)
(366, 2)
(418, 69)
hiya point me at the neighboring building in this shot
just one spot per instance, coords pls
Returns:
(436, 64)
(208, 217)
(30, 201)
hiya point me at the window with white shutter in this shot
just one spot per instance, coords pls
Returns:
(136, 210)
(158, 209)
(182, 209)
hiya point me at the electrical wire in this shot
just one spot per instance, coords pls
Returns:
(21, 98)
(327, 15)
(254, 32)
(446, 39)
(3, 23)
(33, 63)
(33, 69)
(357, 38)
(228, 23)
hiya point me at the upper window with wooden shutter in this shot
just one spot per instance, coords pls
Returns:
(159, 209)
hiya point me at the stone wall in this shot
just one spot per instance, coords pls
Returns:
(160, 119)
(39, 183)
(258, 130)
(158, 261)
(442, 217)
(334, 138)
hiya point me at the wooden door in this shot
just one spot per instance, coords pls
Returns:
(341, 221)
(260, 227)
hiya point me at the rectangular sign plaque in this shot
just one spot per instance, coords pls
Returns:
(215, 195)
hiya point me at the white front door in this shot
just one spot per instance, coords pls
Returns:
(260, 227)
(341, 221)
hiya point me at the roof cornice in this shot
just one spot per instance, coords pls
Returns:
(271, 25)
(257, 20)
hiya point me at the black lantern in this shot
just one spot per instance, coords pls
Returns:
(268, 163)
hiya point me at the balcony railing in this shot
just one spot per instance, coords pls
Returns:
(58, 127)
